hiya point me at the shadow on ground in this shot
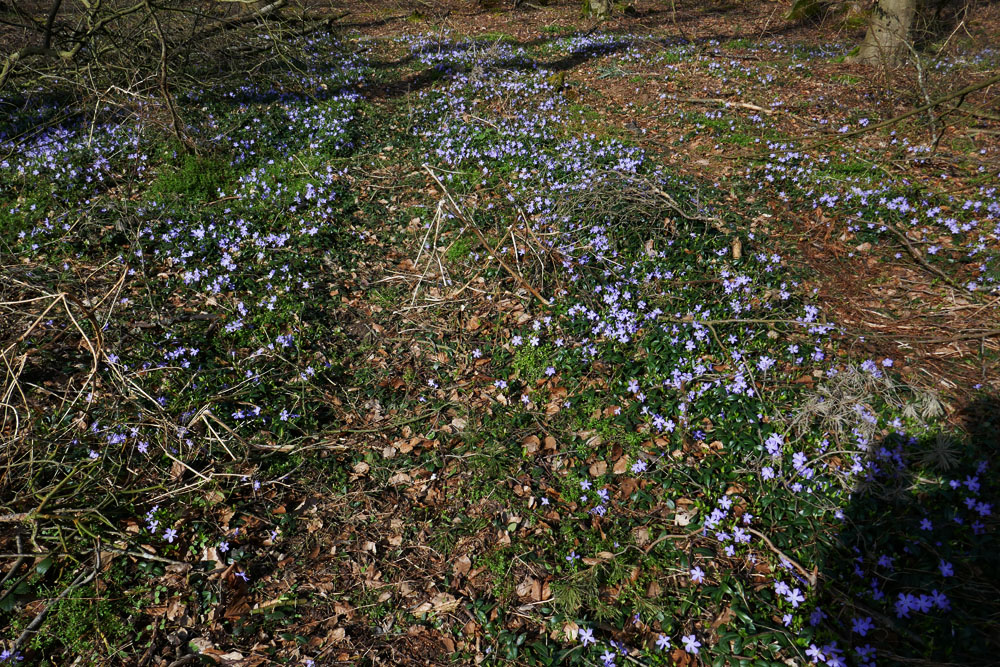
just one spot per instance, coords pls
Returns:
(915, 576)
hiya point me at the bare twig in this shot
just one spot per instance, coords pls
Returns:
(811, 577)
(725, 103)
(175, 120)
(920, 258)
(482, 239)
(964, 92)
(20, 560)
(82, 580)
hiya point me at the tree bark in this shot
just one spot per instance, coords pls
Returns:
(888, 32)
(598, 8)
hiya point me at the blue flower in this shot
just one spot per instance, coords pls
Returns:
(862, 626)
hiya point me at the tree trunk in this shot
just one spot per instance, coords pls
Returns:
(888, 32)
(598, 8)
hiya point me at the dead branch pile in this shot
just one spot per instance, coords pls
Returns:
(144, 52)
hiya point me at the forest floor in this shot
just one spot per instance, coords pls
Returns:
(512, 337)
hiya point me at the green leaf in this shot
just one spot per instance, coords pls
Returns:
(44, 566)
(741, 614)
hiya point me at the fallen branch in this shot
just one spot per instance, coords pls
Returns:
(82, 580)
(726, 103)
(811, 577)
(986, 333)
(964, 92)
(482, 239)
(21, 557)
(230, 23)
(715, 222)
(920, 258)
(145, 556)
(670, 536)
(976, 112)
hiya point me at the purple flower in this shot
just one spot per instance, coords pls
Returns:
(169, 534)
(799, 460)
(863, 651)
(690, 644)
(939, 600)
(862, 626)
(774, 443)
(586, 636)
(697, 575)
(815, 654)
(904, 604)
(663, 642)
(795, 597)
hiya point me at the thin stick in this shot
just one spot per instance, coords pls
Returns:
(20, 559)
(82, 580)
(482, 239)
(726, 103)
(920, 259)
(145, 556)
(810, 577)
(871, 128)
(987, 333)
(670, 536)
(672, 203)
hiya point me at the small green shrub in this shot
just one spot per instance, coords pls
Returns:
(194, 177)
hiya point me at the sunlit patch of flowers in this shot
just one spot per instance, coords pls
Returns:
(684, 362)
